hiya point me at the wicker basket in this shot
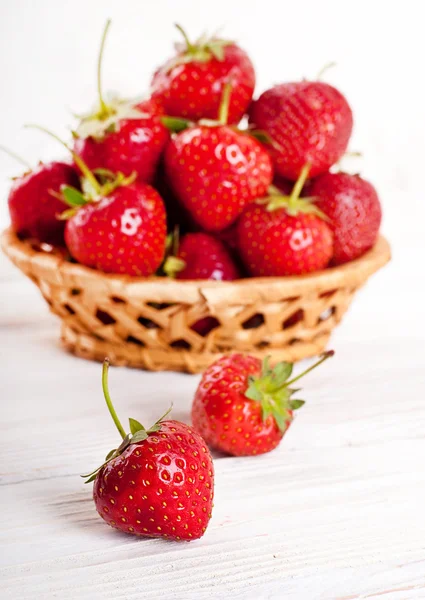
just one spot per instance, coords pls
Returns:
(149, 323)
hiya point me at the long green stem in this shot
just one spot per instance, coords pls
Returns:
(78, 160)
(108, 398)
(223, 112)
(299, 184)
(190, 47)
(16, 157)
(324, 357)
(102, 104)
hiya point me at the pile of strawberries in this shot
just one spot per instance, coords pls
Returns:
(159, 482)
(175, 186)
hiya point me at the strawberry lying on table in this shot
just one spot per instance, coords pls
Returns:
(243, 406)
(158, 482)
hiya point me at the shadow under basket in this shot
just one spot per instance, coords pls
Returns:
(164, 324)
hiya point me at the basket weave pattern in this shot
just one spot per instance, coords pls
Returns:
(148, 323)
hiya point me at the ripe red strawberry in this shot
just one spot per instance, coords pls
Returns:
(284, 236)
(202, 256)
(122, 136)
(33, 203)
(117, 225)
(216, 171)
(120, 232)
(191, 84)
(244, 407)
(354, 212)
(159, 482)
(309, 122)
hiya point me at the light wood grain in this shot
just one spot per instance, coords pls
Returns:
(336, 512)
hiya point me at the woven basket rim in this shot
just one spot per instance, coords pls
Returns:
(21, 251)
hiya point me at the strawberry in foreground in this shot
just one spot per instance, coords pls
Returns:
(244, 407)
(117, 226)
(284, 235)
(33, 203)
(354, 211)
(191, 84)
(308, 121)
(215, 170)
(159, 482)
(122, 136)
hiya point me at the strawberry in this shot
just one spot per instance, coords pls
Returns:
(159, 482)
(191, 84)
(122, 136)
(201, 256)
(354, 211)
(119, 231)
(243, 407)
(308, 121)
(117, 226)
(283, 235)
(215, 171)
(33, 203)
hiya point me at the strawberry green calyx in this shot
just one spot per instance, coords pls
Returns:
(176, 124)
(272, 389)
(172, 265)
(138, 433)
(203, 50)
(293, 204)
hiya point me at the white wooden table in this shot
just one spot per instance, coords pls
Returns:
(336, 512)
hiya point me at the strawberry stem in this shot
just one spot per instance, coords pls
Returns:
(324, 357)
(190, 47)
(16, 157)
(325, 68)
(78, 160)
(223, 111)
(108, 398)
(173, 266)
(104, 111)
(299, 184)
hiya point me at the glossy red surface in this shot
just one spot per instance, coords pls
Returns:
(225, 417)
(275, 244)
(194, 90)
(216, 172)
(136, 146)
(122, 233)
(206, 258)
(162, 487)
